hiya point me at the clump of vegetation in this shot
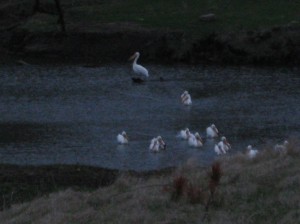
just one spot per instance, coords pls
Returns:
(181, 186)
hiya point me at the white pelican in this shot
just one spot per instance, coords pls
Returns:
(122, 138)
(281, 147)
(184, 134)
(195, 140)
(157, 144)
(219, 150)
(186, 98)
(251, 153)
(212, 131)
(138, 69)
(223, 146)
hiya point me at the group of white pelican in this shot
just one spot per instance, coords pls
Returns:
(194, 140)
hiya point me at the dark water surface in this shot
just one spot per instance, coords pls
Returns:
(72, 115)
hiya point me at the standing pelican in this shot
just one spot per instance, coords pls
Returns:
(122, 138)
(157, 144)
(138, 69)
(251, 153)
(212, 131)
(186, 98)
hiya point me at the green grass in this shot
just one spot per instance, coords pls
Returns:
(232, 15)
(184, 15)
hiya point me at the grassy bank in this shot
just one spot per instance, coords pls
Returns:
(185, 15)
(181, 15)
(238, 190)
(240, 32)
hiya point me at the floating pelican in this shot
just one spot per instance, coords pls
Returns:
(122, 138)
(281, 147)
(138, 69)
(195, 140)
(186, 98)
(157, 144)
(212, 131)
(223, 146)
(251, 153)
(219, 150)
(184, 134)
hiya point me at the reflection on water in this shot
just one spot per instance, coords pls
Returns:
(73, 114)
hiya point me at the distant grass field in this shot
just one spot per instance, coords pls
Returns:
(232, 15)
(184, 14)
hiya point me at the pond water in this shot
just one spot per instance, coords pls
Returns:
(72, 114)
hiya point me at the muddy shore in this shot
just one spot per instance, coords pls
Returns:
(114, 43)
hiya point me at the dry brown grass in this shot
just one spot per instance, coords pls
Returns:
(261, 190)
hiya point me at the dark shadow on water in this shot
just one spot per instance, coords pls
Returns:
(29, 132)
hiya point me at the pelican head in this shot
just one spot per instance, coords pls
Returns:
(124, 134)
(198, 137)
(187, 131)
(215, 128)
(184, 94)
(162, 144)
(135, 55)
(224, 140)
(249, 148)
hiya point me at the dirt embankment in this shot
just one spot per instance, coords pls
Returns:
(114, 43)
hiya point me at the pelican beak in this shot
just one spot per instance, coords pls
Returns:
(132, 57)
(187, 133)
(227, 143)
(216, 130)
(163, 144)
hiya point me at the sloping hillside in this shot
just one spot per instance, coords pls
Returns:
(235, 189)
